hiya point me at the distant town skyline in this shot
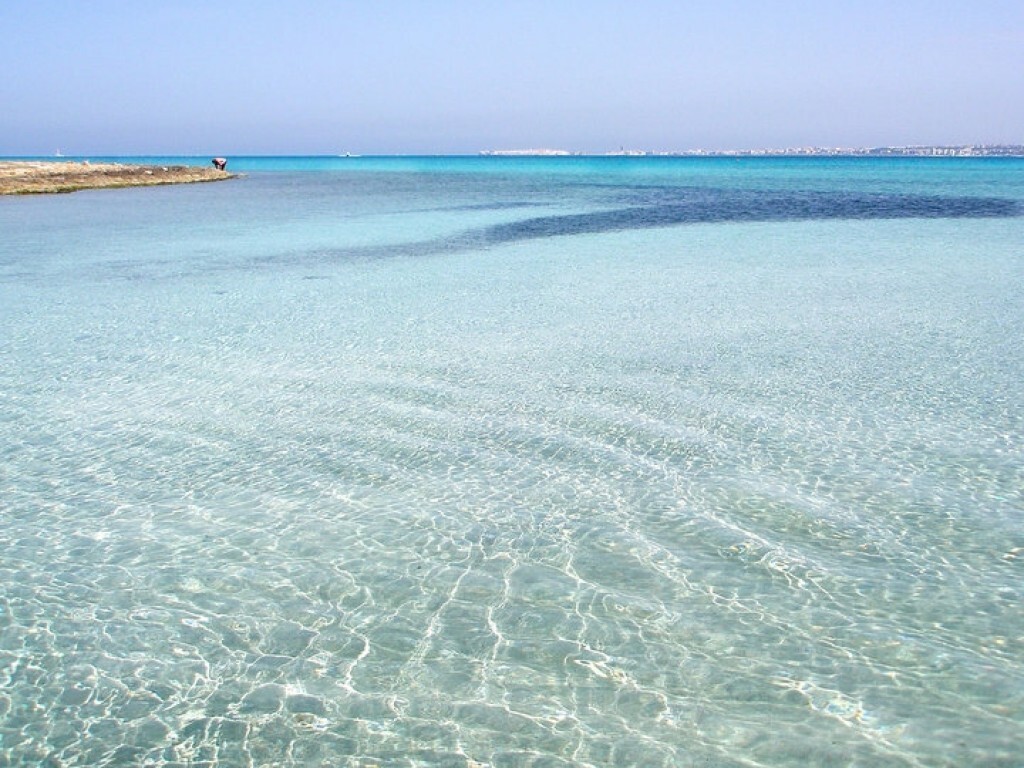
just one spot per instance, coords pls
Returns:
(964, 150)
(403, 77)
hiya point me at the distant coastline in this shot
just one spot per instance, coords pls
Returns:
(527, 152)
(957, 150)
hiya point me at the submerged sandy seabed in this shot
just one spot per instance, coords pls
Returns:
(24, 177)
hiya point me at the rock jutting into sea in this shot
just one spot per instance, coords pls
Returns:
(28, 177)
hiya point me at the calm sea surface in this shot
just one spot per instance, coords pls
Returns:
(516, 462)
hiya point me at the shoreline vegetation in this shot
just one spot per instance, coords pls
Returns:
(37, 177)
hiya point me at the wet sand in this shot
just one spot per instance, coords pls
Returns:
(28, 177)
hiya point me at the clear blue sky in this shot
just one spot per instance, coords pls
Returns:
(453, 76)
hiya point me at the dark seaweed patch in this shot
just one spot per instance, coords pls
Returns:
(749, 207)
(664, 207)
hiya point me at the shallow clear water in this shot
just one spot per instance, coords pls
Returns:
(516, 462)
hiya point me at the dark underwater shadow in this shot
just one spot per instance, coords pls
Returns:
(723, 206)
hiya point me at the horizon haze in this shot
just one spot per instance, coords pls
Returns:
(320, 77)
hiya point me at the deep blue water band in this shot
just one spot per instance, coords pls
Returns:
(714, 206)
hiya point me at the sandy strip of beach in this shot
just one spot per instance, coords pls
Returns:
(28, 177)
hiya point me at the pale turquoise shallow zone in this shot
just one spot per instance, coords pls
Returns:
(490, 462)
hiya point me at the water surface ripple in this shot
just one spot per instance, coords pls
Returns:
(741, 494)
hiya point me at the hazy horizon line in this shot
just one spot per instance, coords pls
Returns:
(555, 152)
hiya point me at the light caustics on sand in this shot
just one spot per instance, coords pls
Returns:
(487, 461)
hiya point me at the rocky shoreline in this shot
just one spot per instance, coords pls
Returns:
(31, 177)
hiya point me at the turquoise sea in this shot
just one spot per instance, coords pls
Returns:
(488, 461)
